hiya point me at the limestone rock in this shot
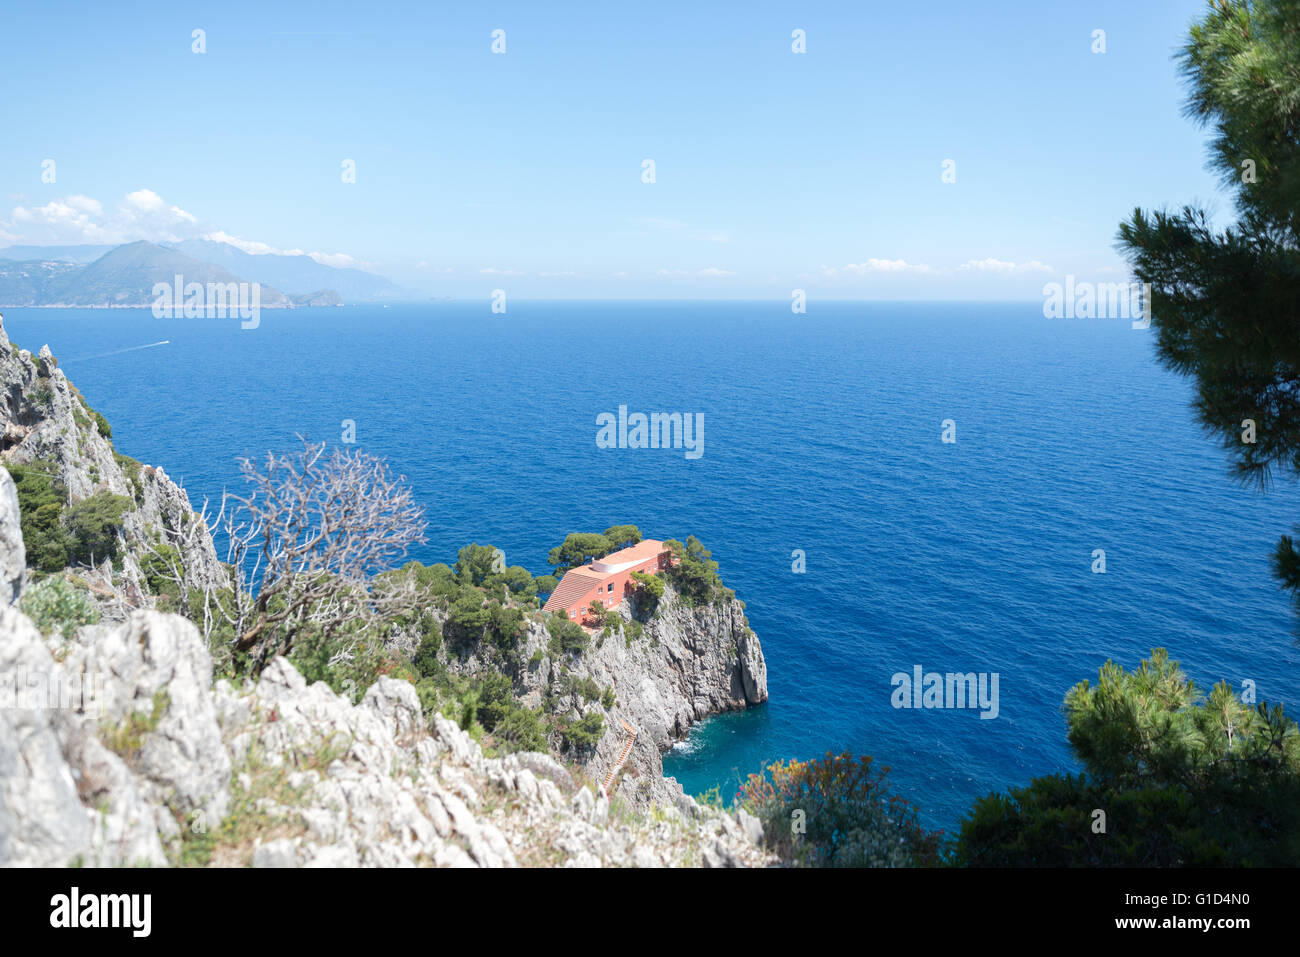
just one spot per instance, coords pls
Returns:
(13, 555)
(42, 821)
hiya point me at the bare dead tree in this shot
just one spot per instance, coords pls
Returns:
(305, 543)
(182, 538)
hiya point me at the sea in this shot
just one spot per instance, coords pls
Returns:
(863, 544)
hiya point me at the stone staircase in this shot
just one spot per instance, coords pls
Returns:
(622, 756)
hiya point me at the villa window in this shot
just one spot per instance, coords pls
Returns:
(611, 587)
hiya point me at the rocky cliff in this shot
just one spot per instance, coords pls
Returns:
(116, 748)
(46, 422)
(681, 665)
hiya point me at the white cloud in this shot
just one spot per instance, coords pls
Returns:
(876, 266)
(250, 246)
(337, 260)
(493, 271)
(141, 214)
(1003, 266)
(254, 248)
(81, 219)
(900, 267)
(144, 200)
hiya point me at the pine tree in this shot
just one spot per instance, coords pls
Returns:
(1225, 303)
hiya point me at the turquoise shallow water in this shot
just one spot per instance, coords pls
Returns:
(822, 434)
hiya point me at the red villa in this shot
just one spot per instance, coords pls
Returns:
(605, 580)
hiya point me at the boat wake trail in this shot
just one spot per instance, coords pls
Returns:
(118, 352)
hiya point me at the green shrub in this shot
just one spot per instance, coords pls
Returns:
(55, 604)
(156, 565)
(426, 656)
(131, 469)
(313, 655)
(505, 625)
(496, 699)
(695, 574)
(521, 729)
(646, 591)
(101, 424)
(467, 619)
(40, 505)
(1183, 780)
(475, 563)
(93, 525)
(566, 635)
(849, 816)
(584, 734)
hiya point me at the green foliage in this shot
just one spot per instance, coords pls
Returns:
(579, 548)
(621, 536)
(55, 604)
(485, 706)
(439, 580)
(646, 591)
(517, 579)
(584, 687)
(849, 815)
(695, 574)
(633, 631)
(1223, 302)
(317, 658)
(584, 734)
(582, 548)
(157, 565)
(41, 497)
(1183, 781)
(495, 699)
(131, 469)
(101, 424)
(505, 625)
(566, 635)
(545, 584)
(93, 525)
(57, 536)
(521, 729)
(467, 619)
(426, 661)
(475, 564)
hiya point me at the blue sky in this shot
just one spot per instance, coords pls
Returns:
(523, 170)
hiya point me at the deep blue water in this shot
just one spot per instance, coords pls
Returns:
(822, 433)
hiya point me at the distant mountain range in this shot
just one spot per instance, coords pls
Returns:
(125, 275)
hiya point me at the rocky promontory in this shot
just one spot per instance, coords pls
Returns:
(472, 729)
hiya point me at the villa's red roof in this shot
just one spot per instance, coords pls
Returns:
(575, 583)
(578, 581)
